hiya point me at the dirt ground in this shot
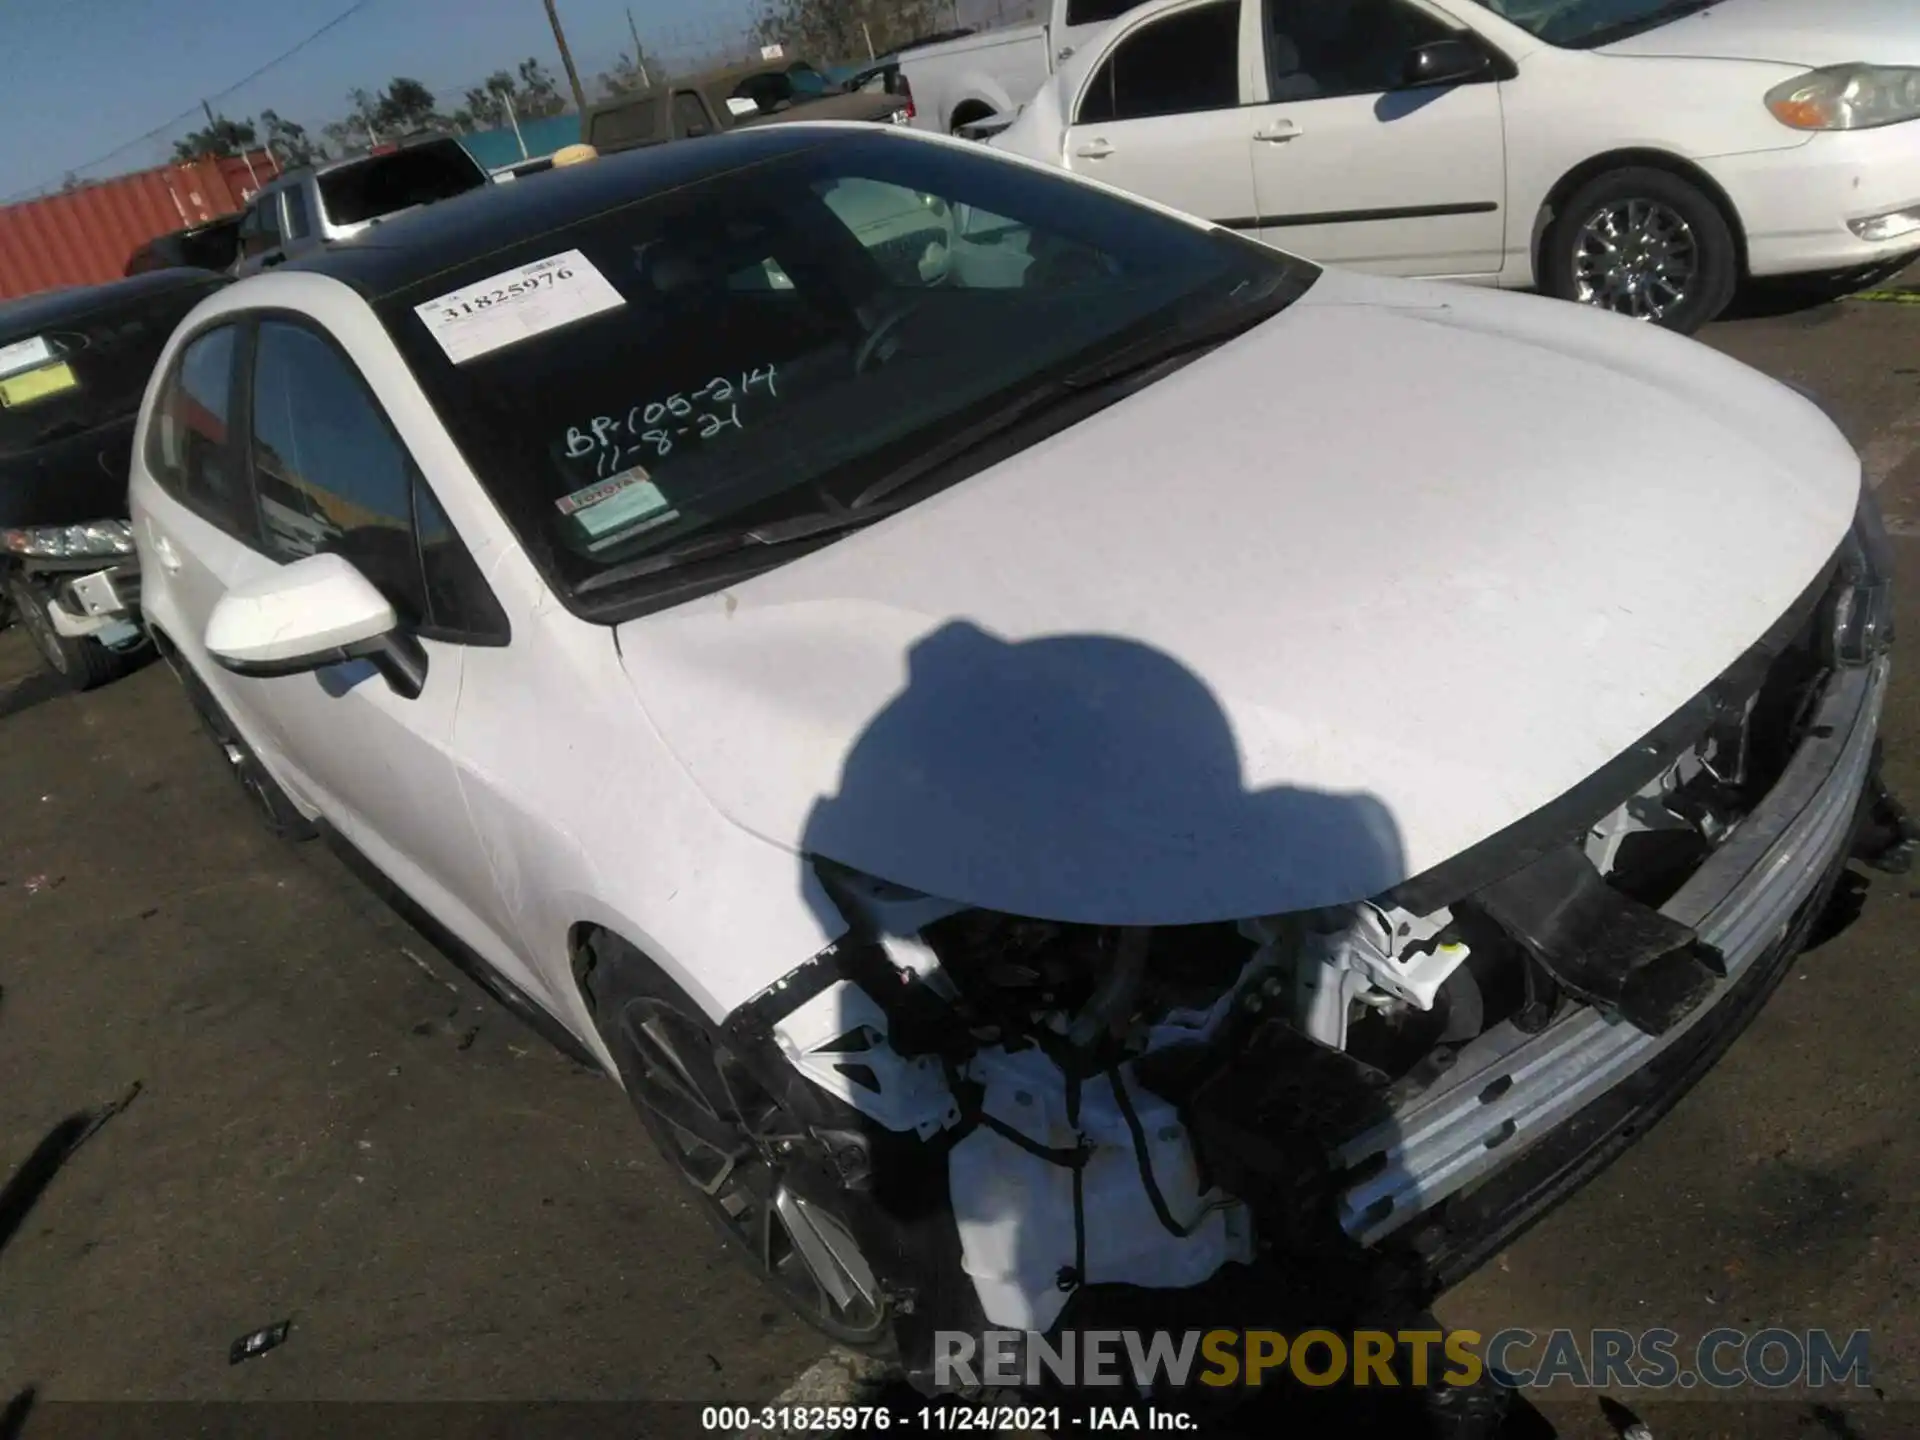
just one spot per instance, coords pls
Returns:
(334, 1127)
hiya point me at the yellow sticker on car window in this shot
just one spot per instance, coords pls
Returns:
(38, 384)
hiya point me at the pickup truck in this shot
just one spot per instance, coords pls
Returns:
(768, 92)
(995, 72)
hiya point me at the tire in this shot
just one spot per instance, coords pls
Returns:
(79, 664)
(965, 114)
(654, 1030)
(1675, 234)
(275, 808)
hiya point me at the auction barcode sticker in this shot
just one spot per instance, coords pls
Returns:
(517, 305)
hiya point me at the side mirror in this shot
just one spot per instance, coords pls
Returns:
(1446, 62)
(314, 613)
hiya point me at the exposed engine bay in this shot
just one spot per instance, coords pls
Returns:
(1141, 1106)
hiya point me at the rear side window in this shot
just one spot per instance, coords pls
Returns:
(689, 115)
(66, 378)
(1097, 12)
(1183, 64)
(187, 445)
(385, 184)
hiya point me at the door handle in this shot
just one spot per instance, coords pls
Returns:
(1094, 150)
(1065, 54)
(1279, 132)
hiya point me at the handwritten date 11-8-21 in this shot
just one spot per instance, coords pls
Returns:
(654, 428)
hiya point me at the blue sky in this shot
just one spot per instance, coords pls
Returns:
(83, 76)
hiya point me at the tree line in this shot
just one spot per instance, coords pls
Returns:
(821, 30)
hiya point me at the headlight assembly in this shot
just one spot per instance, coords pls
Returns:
(1848, 97)
(70, 542)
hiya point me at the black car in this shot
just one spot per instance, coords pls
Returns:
(74, 366)
(212, 246)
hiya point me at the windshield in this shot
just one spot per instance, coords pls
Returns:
(1583, 24)
(75, 374)
(385, 184)
(765, 343)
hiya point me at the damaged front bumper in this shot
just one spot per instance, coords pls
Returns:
(1507, 1090)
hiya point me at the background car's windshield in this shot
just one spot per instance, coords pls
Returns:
(1580, 23)
(70, 375)
(387, 183)
(772, 338)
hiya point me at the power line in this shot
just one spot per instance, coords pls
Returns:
(164, 126)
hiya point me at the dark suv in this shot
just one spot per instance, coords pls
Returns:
(74, 366)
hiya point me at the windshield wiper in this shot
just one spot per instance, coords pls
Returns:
(1239, 313)
(706, 547)
(1652, 20)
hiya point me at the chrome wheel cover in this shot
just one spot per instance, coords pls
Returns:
(1636, 257)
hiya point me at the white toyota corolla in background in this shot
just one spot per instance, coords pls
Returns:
(1643, 155)
(1060, 747)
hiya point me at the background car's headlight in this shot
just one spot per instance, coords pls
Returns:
(1848, 97)
(63, 542)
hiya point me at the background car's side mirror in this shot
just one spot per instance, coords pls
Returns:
(316, 612)
(1453, 61)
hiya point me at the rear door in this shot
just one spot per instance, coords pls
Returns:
(1161, 115)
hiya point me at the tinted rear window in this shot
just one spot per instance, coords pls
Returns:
(73, 375)
(385, 184)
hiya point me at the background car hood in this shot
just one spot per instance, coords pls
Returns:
(1792, 32)
(1305, 618)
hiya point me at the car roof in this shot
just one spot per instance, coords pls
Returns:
(32, 313)
(450, 234)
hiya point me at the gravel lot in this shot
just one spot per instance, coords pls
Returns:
(335, 1127)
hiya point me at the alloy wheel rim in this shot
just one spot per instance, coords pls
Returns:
(735, 1160)
(1636, 257)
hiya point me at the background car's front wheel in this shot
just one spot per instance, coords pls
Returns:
(82, 664)
(1645, 244)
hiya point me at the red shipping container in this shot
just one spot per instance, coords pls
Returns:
(85, 236)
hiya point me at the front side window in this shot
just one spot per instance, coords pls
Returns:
(1317, 49)
(260, 231)
(774, 339)
(331, 476)
(1185, 63)
(189, 452)
(329, 472)
(299, 223)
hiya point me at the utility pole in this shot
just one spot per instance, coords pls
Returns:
(566, 58)
(639, 58)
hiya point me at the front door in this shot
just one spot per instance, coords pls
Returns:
(1351, 168)
(1161, 115)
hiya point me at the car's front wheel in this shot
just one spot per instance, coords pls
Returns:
(1646, 244)
(82, 664)
(738, 1136)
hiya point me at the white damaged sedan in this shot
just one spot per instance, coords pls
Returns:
(1047, 745)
